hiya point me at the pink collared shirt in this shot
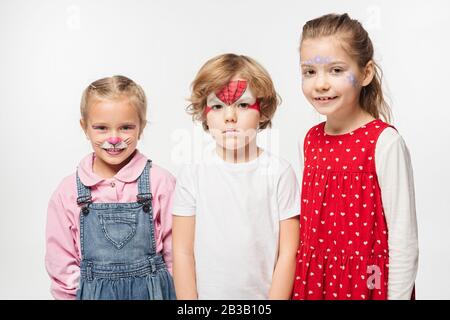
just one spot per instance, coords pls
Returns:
(63, 254)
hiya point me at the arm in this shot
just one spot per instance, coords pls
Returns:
(288, 195)
(283, 277)
(394, 170)
(165, 202)
(61, 257)
(301, 159)
(183, 257)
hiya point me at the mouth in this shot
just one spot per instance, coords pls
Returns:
(114, 151)
(325, 99)
(230, 131)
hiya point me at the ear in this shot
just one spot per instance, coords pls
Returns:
(83, 126)
(142, 129)
(368, 73)
(263, 118)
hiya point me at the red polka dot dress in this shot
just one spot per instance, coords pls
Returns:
(343, 252)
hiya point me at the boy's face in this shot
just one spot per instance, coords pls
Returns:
(113, 128)
(331, 79)
(233, 115)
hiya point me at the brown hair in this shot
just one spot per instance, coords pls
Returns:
(218, 71)
(356, 42)
(116, 87)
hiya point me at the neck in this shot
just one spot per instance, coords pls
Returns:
(106, 170)
(248, 153)
(344, 123)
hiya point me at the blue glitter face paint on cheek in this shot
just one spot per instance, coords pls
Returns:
(352, 79)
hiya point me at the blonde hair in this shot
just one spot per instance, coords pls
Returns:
(357, 43)
(112, 88)
(218, 71)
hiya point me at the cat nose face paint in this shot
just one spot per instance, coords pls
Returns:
(114, 140)
(234, 93)
(115, 143)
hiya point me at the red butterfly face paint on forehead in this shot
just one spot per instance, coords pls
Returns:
(232, 91)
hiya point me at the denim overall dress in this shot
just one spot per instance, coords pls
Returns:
(118, 249)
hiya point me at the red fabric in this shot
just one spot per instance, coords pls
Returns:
(343, 232)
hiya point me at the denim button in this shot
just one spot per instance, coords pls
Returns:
(146, 208)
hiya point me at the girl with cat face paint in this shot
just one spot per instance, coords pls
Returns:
(109, 224)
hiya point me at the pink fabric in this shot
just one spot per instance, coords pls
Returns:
(63, 256)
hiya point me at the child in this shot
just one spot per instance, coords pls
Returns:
(235, 223)
(109, 224)
(358, 230)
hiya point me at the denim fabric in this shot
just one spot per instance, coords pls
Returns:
(118, 248)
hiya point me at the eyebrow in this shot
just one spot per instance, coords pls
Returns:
(214, 100)
(308, 64)
(217, 101)
(106, 125)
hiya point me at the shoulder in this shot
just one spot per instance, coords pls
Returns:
(310, 136)
(314, 129)
(303, 136)
(389, 138)
(161, 178)
(67, 185)
(390, 147)
(66, 192)
(276, 164)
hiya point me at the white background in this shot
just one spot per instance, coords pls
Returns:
(51, 50)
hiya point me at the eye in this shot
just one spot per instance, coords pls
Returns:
(129, 127)
(100, 128)
(243, 105)
(308, 72)
(216, 107)
(336, 70)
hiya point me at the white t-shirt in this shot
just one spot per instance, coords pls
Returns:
(395, 176)
(237, 208)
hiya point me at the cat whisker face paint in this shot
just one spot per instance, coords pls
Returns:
(114, 146)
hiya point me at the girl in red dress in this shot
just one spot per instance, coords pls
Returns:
(358, 229)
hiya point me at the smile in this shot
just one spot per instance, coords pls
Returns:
(113, 151)
(325, 98)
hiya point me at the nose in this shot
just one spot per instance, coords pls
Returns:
(322, 83)
(114, 140)
(230, 114)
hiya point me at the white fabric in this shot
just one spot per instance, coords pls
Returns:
(395, 177)
(237, 208)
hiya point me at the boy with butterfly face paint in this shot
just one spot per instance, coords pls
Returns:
(233, 116)
(236, 219)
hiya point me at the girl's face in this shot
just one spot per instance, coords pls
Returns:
(331, 79)
(233, 123)
(112, 126)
